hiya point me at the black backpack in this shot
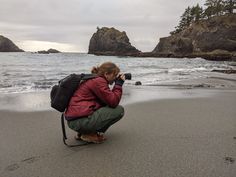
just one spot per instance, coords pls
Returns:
(61, 94)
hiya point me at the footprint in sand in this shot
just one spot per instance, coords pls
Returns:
(15, 166)
(30, 159)
(12, 167)
(229, 160)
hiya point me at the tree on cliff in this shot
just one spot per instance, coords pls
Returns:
(214, 7)
(219, 7)
(185, 20)
(229, 6)
(191, 14)
(197, 13)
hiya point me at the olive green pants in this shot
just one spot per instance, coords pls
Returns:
(99, 121)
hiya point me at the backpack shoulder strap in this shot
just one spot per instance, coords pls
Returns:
(88, 76)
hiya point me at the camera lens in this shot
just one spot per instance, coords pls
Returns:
(128, 76)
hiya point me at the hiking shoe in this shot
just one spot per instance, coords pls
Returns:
(92, 138)
(101, 136)
(78, 137)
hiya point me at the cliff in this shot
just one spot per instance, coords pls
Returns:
(109, 41)
(212, 38)
(6, 45)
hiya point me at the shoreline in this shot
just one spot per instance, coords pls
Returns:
(228, 56)
(40, 101)
(191, 88)
(138, 96)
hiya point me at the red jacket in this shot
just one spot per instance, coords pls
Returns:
(92, 95)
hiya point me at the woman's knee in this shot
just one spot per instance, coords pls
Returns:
(72, 125)
(120, 111)
(110, 113)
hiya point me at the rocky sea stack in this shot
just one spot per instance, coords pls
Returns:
(214, 38)
(110, 41)
(6, 45)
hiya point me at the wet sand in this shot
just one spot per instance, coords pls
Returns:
(185, 136)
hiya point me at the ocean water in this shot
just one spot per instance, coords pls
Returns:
(31, 72)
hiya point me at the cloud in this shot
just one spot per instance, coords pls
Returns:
(43, 45)
(73, 22)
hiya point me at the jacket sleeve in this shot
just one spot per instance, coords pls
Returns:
(105, 94)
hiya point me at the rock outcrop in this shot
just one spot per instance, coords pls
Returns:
(43, 52)
(48, 51)
(53, 51)
(109, 41)
(6, 45)
(206, 39)
(175, 45)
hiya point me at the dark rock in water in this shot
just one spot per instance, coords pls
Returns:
(213, 39)
(6, 45)
(43, 52)
(217, 55)
(48, 51)
(202, 86)
(138, 83)
(109, 41)
(53, 51)
(231, 71)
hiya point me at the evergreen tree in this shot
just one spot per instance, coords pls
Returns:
(185, 20)
(209, 11)
(214, 7)
(219, 9)
(229, 6)
(197, 13)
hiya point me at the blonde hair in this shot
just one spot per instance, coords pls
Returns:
(107, 67)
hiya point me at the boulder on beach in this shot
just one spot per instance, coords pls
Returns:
(138, 83)
(6, 45)
(110, 41)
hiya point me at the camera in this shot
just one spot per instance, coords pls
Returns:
(128, 76)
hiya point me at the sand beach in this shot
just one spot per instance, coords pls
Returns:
(170, 132)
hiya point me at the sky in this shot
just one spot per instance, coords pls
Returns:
(68, 25)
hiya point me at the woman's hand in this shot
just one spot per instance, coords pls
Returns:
(120, 79)
(121, 76)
